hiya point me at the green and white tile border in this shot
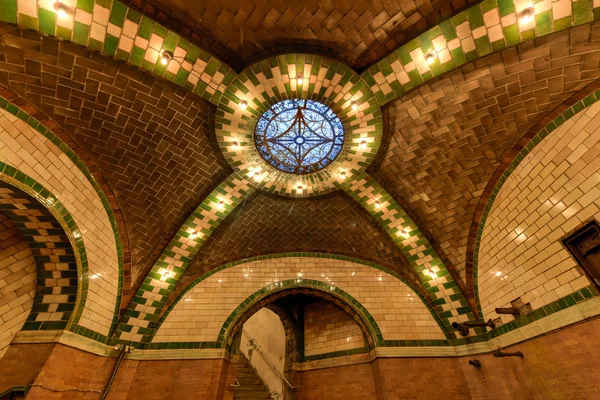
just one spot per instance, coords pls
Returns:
(28, 185)
(43, 130)
(147, 304)
(324, 80)
(329, 288)
(578, 107)
(487, 27)
(445, 295)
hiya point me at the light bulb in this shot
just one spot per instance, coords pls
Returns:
(235, 146)
(61, 9)
(363, 144)
(354, 106)
(221, 205)
(527, 14)
(299, 80)
(430, 58)
(243, 104)
(166, 57)
(377, 203)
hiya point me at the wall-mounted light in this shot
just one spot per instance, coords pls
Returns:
(431, 273)
(235, 146)
(299, 188)
(221, 205)
(526, 15)
(299, 79)
(405, 233)
(166, 57)
(193, 235)
(430, 57)
(61, 9)
(243, 104)
(377, 204)
(363, 144)
(343, 174)
(354, 105)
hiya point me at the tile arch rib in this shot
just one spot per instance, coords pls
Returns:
(535, 138)
(478, 221)
(145, 307)
(125, 34)
(46, 126)
(284, 267)
(447, 297)
(11, 177)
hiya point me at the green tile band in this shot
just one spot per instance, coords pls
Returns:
(210, 273)
(553, 125)
(21, 181)
(43, 130)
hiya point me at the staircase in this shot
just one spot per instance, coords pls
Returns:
(251, 386)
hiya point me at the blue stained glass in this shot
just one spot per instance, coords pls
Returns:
(299, 136)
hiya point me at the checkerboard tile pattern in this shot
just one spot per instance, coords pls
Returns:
(45, 161)
(146, 306)
(201, 313)
(275, 79)
(54, 258)
(487, 27)
(445, 293)
(113, 28)
(552, 187)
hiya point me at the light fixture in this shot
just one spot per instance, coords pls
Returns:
(61, 9)
(377, 203)
(354, 106)
(193, 235)
(526, 15)
(430, 57)
(166, 57)
(363, 144)
(431, 273)
(299, 187)
(243, 104)
(235, 146)
(221, 205)
(299, 79)
(343, 174)
(165, 274)
(405, 234)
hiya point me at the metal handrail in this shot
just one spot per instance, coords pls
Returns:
(257, 346)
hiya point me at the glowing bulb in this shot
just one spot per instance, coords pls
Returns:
(299, 187)
(405, 233)
(431, 273)
(363, 144)
(430, 58)
(354, 106)
(377, 204)
(300, 274)
(61, 9)
(166, 57)
(379, 278)
(243, 104)
(235, 146)
(221, 205)
(343, 174)
(299, 80)
(193, 236)
(527, 14)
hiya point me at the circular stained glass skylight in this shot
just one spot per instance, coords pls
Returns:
(299, 136)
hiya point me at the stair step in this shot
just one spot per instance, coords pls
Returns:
(249, 381)
(251, 395)
(247, 387)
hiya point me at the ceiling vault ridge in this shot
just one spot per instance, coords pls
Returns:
(114, 29)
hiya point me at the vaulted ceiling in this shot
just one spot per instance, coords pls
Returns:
(154, 142)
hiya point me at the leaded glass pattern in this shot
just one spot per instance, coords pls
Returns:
(299, 136)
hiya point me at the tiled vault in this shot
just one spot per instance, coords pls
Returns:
(56, 291)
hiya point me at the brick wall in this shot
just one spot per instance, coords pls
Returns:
(17, 281)
(21, 364)
(353, 382)
(553, 190)
(328, 328)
